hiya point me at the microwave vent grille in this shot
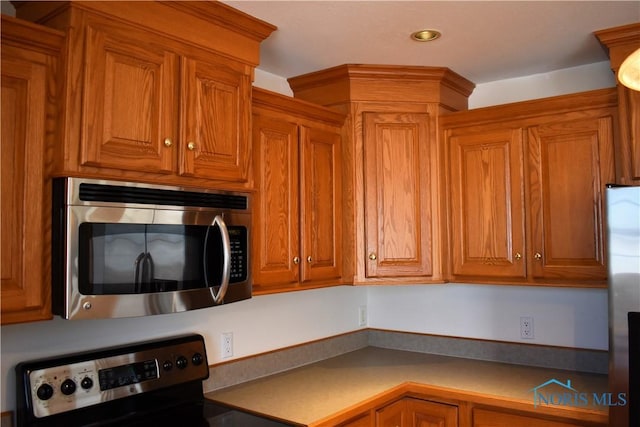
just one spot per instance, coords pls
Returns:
(155, 196)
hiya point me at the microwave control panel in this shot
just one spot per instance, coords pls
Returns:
(239, 251)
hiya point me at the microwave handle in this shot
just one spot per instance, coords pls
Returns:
(226, 249)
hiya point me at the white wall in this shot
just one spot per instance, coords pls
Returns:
(560, 82)
(561, 316)
(259, 325)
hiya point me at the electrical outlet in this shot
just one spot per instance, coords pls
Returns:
(362, 315)
(227, 344)
(526, 327)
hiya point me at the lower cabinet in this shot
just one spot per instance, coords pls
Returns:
(491, 418)
(452, 409)
(411, 412)
(362, 420)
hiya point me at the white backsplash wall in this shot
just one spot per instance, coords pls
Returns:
(259, 325)
(563, 317)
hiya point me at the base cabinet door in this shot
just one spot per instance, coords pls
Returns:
(393, 415)
(489, 418)
(411, 412)
(363, 420)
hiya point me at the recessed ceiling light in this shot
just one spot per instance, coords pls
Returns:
(425, 35)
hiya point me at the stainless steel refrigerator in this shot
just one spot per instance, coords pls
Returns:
(623, 231)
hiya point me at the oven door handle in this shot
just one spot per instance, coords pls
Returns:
(218, 298)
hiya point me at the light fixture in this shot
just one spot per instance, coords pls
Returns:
(629, 71)
(425, 35)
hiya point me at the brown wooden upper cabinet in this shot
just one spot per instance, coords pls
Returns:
(297, 216)
(621, 42)
(393, 220)
(29, 92)
(526, 185)
(156, 91)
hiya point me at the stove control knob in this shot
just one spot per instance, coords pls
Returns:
(167, 365)
(44, 392)
(68, 387)
(182, 362)
(197, 359)
(86, 383)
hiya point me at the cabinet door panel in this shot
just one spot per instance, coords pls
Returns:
(432, 414)
(630, 128)
(393, 415)
(130, 102)
(397, 194)
(276, 211)
(23, 283)
(321, 204)
(487, 418)
(487, 213)
(215, 131)
(569, 165)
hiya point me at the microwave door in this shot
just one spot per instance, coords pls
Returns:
(213, 249)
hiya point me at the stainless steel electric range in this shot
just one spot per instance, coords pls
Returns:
(155, 383)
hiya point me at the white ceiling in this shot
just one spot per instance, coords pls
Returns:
(481, 40)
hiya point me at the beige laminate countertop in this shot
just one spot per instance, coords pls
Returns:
(308, 394)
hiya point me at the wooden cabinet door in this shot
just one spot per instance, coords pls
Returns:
(215, 121)
(393, 415)
(487, 203)
(25, 285)
(276, 238)
(488, 418)
(629, 143)
(397, 194)
(130, 102)
(363, 420)
(320, 204)
(569, 165)
(431, 414)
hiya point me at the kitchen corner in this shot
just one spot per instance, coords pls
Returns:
(415, 243)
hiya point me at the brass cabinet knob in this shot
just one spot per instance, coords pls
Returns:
(518, 256)
(296, 260)
(191, 146)
(373, 256)
(537, 256)
(309, 259)
(168, 142)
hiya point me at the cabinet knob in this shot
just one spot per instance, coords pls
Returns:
(373, 256)
(537, 256)
(191, 145)
(309, 259)
(296, 260)
(518, 256)
(168, 142)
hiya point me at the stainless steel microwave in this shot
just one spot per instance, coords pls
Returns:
(122, 249)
